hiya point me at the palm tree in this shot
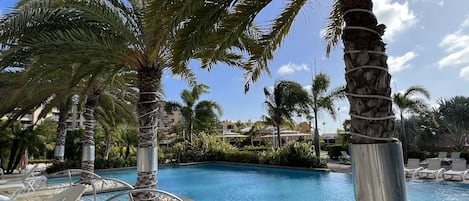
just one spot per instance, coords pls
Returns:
(452, 117)
(322, 100)
(148, 36)
(286, 99)
(198, 115)
(32, 88)
(408, 102)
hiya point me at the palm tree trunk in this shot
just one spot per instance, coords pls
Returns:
(88, 148)
(61, 135)
(369, 93)
(403, 138)
(279, 141)
(317, 145)
(108, 142)
(190, 128)
(147, 157)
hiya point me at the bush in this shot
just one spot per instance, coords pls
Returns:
(417, 154)
(465, 155)
(40, 161)
(240, 157)
(334, 150)
(296, 154)
(255, 148)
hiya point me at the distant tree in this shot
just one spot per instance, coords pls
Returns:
(453, 118)
(409, 102)
(239, 125)
(321, 99)
(286, 99)
(200, 115)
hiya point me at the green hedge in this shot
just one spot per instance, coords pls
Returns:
(417, 154)
(240, 157)
(257, 149)
(40, 161)
(334, 150)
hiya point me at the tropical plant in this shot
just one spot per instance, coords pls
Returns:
(409, 102)
(198, 116)
(255, 130)
(286, 99)
(321, 99)
(452, 118)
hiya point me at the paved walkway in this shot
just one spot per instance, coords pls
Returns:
(335, 166)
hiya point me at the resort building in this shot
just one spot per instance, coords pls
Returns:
(33, 118)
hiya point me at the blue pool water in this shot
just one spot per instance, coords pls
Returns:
(221, 182)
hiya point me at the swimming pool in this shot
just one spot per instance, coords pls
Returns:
(222, 182)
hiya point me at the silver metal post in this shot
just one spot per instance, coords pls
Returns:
(378, 172)
(147, 159)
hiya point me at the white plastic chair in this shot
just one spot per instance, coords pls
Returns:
(459, 169)
(413, 166)
(344, 156)
(434, 169)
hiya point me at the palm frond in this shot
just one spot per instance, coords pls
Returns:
(333, 30)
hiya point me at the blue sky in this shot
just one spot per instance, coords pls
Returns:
(427, 43)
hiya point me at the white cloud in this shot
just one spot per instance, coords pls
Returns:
(396, 16)
(307, 88)
(457, 46)
(466, 22)
(441, 3)
(397, 64)
(464, 73)
(291, 68)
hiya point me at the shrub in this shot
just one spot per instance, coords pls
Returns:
(40, 161)
(465, 155)
(240, 157)
(416, 154)
(296, 154)
(334, 150)
(255, 148)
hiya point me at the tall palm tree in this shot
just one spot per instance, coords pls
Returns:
(196, 114)
(321, 99)
(286, 99)
(368, 91)
(408, 102)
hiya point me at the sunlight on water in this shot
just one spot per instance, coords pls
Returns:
(216, 182)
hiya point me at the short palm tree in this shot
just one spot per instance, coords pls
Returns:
(321, 99)
(286, 99)
(408, 102)
(196, 114)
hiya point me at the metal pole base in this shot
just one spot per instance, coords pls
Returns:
(378, 172)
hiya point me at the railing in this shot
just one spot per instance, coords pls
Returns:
(97, 177)
(129, 193)
(89, 181)
(69, 173)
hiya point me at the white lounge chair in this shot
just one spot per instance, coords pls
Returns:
(344, 156)
(72, 193)
(413, 166)
(9, 191)
(434, 169)
(454, 156)
(29, 180)
(442, 154)
(459, 169)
